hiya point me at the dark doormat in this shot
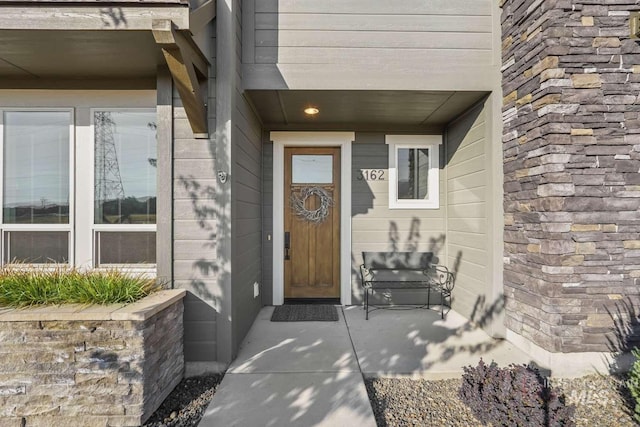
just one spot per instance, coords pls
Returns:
(305, 313)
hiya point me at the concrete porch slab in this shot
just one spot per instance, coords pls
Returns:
(418, 343)
(290, 399)
(307, 373)
(272, 347)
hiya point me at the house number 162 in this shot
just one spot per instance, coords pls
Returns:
(371, 175)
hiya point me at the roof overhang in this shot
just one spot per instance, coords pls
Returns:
(362, 110)
(119, 44)
(91, 16)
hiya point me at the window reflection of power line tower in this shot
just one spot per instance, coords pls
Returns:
(108, 184)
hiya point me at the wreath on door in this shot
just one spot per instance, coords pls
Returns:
(315, 216)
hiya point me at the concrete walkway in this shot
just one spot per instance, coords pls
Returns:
(311, 373)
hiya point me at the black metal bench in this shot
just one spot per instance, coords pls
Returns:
(387, 271)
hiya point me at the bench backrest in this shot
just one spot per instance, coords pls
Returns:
(399, 260)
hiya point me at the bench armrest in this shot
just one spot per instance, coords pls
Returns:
(442, 276)
(365, 274)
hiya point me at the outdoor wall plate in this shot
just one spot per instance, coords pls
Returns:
(634, 25)
(222, 176)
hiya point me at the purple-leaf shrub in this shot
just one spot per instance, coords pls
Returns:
(513, 396)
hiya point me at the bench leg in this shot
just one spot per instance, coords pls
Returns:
(366, 304)
(444, 300)
(428, 298)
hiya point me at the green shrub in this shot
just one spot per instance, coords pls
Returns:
(633, 383)
(513, 396)
(22, 286)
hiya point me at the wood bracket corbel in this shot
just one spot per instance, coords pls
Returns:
(201, 16)
(189, 69)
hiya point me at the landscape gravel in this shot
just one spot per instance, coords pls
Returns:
(600, 401)
(186, 404)
(406, 402)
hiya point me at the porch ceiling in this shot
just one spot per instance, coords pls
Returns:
(40, 55)
(56, 45)
(373, 110)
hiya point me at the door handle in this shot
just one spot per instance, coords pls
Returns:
(287, 245)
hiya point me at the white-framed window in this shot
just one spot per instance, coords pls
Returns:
(78, 186)
(414, 165)
(124, 187)
(37, 185)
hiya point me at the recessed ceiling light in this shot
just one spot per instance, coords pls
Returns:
(311, 111)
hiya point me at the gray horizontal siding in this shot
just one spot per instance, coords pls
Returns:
(190, 149)
(192, 170)
(400, 36)
(195, 265)
(372, 39)
(370, 22)
(375, 227)
(357, 7)
(267, 223)
(246, 232)
(188, 250)
(467, 221)
(370, 56)
(191, 194)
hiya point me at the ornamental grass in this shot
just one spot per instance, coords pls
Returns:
(22, 286)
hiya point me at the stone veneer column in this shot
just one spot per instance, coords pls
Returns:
(571, 79)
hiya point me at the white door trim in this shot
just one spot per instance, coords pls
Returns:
(312, 139)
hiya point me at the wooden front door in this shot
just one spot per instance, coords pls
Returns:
(312, 222)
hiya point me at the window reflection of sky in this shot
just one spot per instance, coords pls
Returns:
(135, 142)
(36, 158)
(313, 169)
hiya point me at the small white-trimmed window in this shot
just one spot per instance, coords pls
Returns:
(414, 164)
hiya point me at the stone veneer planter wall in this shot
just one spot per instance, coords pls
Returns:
(92, 366)
(571, 79)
